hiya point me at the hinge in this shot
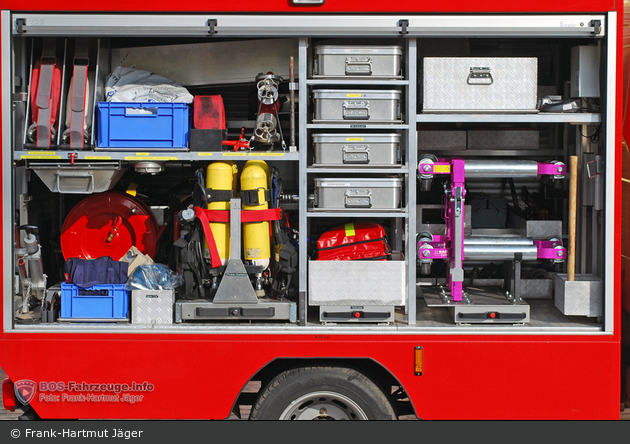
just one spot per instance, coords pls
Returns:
(20, 23)
(212, 23)
(404, 23)
(597, 26)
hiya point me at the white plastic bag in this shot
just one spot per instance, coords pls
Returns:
(136, 85)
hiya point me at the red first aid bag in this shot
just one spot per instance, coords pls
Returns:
(354, 241)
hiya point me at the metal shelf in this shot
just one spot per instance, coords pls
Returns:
(358, 170)
(572, 118)
(160, 156)
(402, 213)
(494, 153)
(356, 82)
(354, 126)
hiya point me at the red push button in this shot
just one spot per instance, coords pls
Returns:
(357, 314)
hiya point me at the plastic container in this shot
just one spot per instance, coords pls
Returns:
(143, 125)
(104, 302)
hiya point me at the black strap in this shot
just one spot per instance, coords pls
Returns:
(252, 197)
(219, 195)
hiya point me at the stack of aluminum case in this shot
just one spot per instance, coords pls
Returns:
(381, 150)
(333, 61)
(360, 193)
(374, 106)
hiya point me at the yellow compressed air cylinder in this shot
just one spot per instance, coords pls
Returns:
(221, 176)
(256, 237)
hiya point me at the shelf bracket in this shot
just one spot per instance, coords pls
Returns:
(212, 23)
(404, 23)
(597, 26)
(20, 23)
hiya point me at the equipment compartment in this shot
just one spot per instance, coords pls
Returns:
(307, 146)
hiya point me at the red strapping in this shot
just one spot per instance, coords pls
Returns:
(215, 259)
(223, 216)
(247, 216)
(260, 215)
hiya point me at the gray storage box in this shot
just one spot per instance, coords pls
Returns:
(434, 140)
(152, 306)
(503, 140)
(381, 150)
(382, 62)
(481, 84)
(374, 193)
(349, 106)
(365, 283)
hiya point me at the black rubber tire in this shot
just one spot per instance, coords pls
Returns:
(329, 389)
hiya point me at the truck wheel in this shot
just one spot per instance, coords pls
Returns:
(322, 393)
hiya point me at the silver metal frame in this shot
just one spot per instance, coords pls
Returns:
(610, 152)
(103, 25)
(312, 26)
(7, 173)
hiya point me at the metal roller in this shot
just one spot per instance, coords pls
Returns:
(497, 252)
(498, 241)
(500, 168)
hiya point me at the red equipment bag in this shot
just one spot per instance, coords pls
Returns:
(354, 241)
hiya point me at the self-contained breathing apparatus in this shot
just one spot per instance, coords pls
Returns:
(203, 232)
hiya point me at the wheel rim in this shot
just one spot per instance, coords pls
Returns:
(323, 406)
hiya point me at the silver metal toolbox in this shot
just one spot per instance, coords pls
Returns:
(503, 139)
(381, 150)
(374, 106)
(365, 283)
(482, 84)
(434, 140)
(332, 61)
(376, 193)
(152, 306)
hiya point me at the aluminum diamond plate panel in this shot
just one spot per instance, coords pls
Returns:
(480, 84)
(581, 297)
(152, 307)
(357, 283)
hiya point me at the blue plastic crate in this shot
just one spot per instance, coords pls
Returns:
(107, 301)
(143, 125)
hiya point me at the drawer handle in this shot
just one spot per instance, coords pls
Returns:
(356, 110)
(76, 182)
(479, 76)
(361, 66)
(356, 154)
(308, 2)
(359, 198)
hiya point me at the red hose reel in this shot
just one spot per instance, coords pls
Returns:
(109, 224)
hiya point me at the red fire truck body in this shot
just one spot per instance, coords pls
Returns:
(552, 365)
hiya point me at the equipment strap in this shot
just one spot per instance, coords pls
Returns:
(43, 101)
(247, 216)
(223, 216)
(215, 259)
(79, 89)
